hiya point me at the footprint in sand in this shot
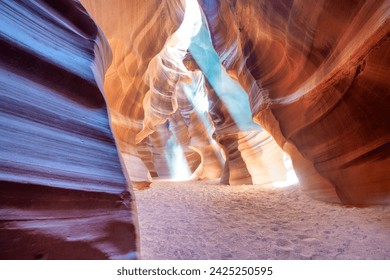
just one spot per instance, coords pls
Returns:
(282, 243)
(282, 254)
(284, 249)
(302, 236)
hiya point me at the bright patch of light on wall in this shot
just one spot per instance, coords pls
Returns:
(202, 103)
(177, 163)
(190, 25)
(291, 178)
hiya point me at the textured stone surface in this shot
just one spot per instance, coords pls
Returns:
(62, 191)
(155, 86)
(316, 78)
(200, 94)
(137, 32)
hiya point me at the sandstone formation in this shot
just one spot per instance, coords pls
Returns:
(323, 69)
(63, 194)
(125, 24)
(195, 90)
(160, 85)
(315, 75)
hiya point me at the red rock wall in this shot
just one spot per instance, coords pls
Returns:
(136, 32)
(315, 72)
(323, 67)
(62, 191)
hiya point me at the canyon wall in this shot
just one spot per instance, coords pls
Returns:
(322, 72)
(315, 74)
(141, 78)
(62, 193)
(313, 78)
(155, 83)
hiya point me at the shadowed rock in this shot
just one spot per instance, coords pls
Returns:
(63, 194)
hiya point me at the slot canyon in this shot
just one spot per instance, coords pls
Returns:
(195, 129)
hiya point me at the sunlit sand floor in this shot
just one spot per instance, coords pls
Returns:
(204, 220)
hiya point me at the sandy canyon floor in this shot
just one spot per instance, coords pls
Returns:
(204, 220)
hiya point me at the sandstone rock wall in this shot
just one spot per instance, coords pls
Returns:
(137, 32)
(323, 68)
(315, 74)
(62, 193)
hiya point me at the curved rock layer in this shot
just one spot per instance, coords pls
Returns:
(315, 75)
(171, 87)
(316, 83)
(324, 72)
(137, 32)
(59, 163)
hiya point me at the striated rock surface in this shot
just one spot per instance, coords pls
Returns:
(193, 107)
(313, 75)
(62, 193)
(166, 90)
(137, 32)
(323, 71)
(215, 90)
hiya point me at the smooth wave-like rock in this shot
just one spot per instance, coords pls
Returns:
(137, 32)
(215, 90)
(63, 194)
(314, 77)
(193, 106)
(323, 71)
(316, 83)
